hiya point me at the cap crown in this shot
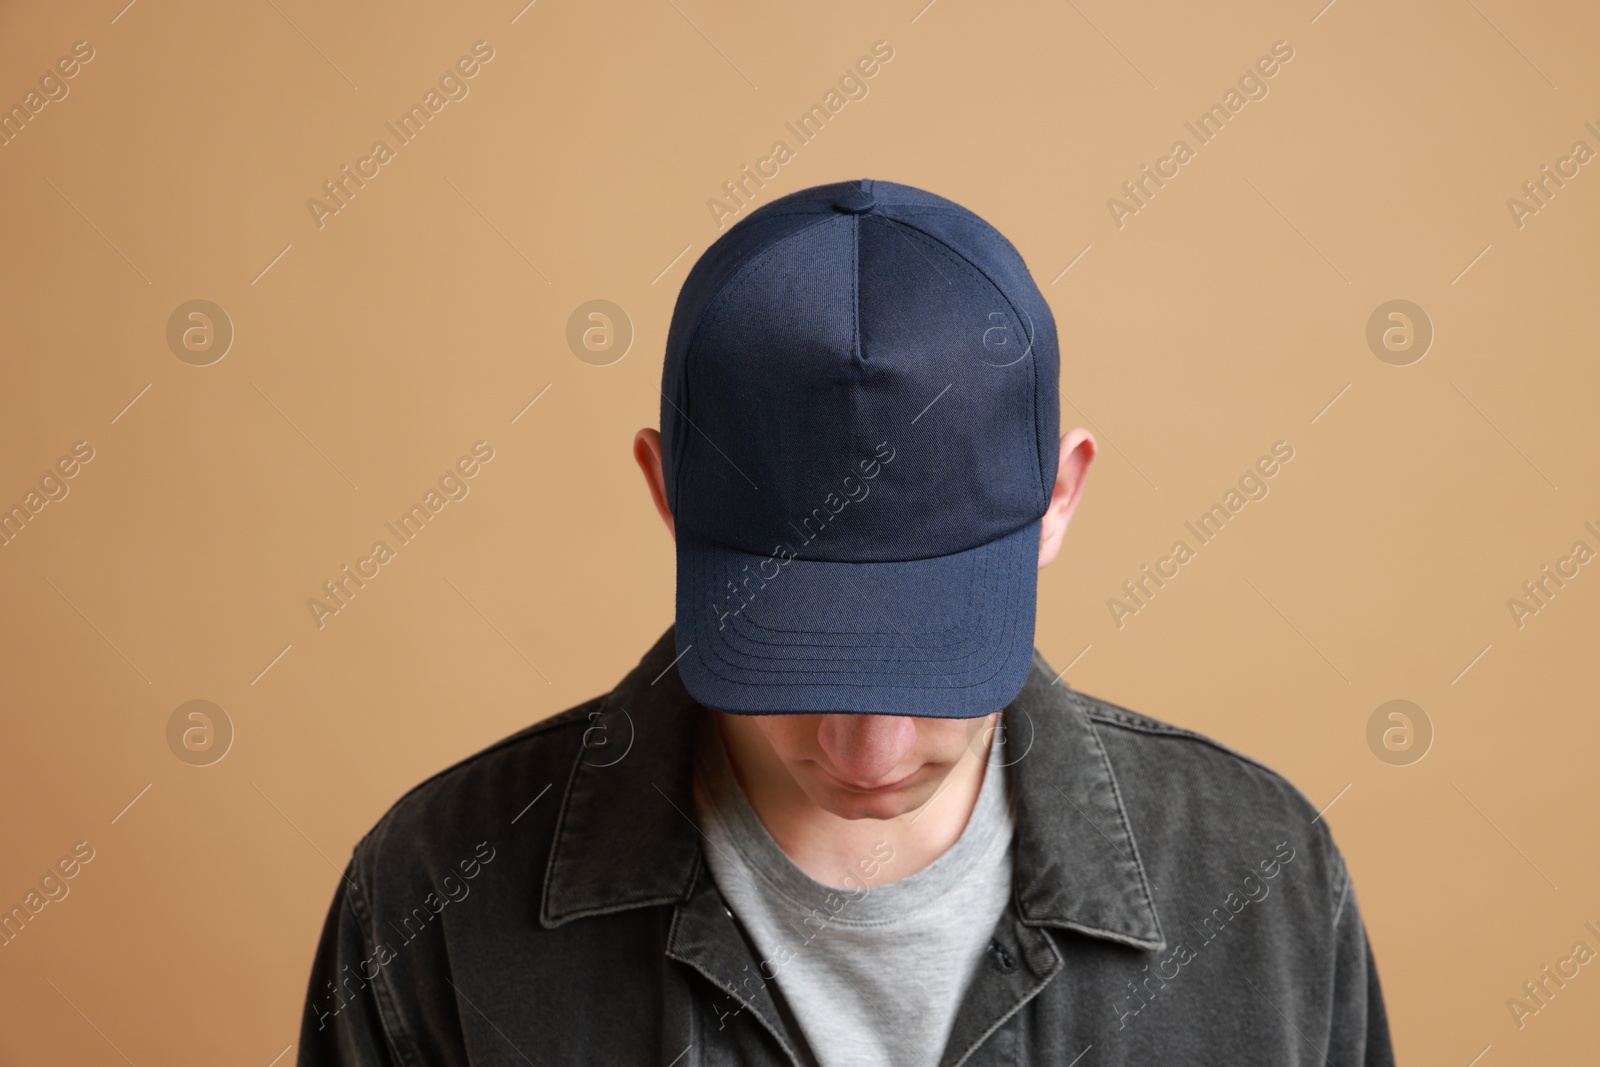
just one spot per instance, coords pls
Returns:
(860, 340)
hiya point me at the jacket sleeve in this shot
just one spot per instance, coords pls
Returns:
(1359, 1033)
(342, 1025)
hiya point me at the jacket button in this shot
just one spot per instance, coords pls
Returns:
(1004, 962)
(726, 912)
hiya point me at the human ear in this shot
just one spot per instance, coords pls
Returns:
(647, 453)
(1077, 452)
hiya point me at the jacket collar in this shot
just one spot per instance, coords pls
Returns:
(626, 836)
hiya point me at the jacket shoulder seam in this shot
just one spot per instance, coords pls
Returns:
(1345, 886)
(1102, 711)
(391, 1021)
(548, 725)
(1106, 713)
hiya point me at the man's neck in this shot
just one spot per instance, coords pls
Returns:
(850, 852)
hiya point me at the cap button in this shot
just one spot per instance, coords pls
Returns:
(858, 201)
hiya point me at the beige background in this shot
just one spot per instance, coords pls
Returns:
(1228, 314)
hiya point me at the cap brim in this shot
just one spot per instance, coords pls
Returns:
(949, 637)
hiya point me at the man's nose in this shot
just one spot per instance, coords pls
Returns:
(864, 748)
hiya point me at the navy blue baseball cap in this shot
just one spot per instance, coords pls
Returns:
(859, 431)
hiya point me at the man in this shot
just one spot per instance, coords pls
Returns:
(843, 813)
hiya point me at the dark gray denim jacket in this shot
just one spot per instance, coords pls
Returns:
(546, 902)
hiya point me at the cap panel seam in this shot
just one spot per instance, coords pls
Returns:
(963, 213)
(855, 288)
(701, 322)
(1033, 363)
(859, 361)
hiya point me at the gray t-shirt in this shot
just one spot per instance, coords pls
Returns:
(872, 976)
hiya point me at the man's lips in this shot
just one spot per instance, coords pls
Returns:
(868, 790)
